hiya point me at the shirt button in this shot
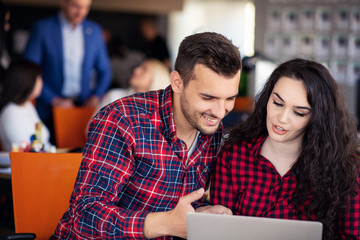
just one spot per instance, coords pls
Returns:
(182, 145)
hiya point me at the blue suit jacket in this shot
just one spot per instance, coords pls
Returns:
(45, 47)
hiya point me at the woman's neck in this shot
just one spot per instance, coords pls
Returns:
(281, 155)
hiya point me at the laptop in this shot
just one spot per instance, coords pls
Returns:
(205, 226)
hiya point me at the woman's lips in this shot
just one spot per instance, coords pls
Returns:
(279, 130)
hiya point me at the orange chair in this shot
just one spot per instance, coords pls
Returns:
(70, 126)
(244, 104)
(41, 185)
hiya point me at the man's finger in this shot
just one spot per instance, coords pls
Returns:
(193, 196)
(227, 211)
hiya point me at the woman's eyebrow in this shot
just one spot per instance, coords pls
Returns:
(278, 96)
(300, 107)
(306, 108)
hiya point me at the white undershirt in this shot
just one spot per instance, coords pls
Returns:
(192, 148)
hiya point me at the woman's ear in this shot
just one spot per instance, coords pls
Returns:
(177, 83)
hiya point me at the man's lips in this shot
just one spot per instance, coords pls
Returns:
(210, 120)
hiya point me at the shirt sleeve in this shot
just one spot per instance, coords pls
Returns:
(350, 222)
(95, 211)
(221, 187)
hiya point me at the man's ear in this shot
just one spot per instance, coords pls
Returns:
(177, 83)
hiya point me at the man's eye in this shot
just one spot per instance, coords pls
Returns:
(207, 98)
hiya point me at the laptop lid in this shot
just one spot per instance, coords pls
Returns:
(205, 226)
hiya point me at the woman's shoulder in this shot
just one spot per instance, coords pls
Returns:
(244, 144)
(13, 111)
(9, 109)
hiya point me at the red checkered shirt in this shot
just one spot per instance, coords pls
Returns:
(249, 185)
(133, 164)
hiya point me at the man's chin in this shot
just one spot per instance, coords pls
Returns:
(209, 130)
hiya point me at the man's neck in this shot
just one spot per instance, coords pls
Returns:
(66, 21)
(184, 130)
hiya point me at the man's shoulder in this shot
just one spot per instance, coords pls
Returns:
(49, 21)
(90, 23)
(139, 107)
(141, 102)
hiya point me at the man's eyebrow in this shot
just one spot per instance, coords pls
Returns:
(300, 107)
(233, 96)
(207, 95)
(211, 96)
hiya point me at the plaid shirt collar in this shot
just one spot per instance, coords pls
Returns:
(166, 112)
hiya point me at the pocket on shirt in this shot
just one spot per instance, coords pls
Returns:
(202, 174)
(146, 168)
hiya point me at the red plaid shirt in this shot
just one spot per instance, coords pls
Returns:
(249, 184)
(133, 164)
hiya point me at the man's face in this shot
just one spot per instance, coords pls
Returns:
(206, 100)
(75, 11)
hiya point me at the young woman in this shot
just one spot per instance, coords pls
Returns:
(296, 156)
(149, 76)
(18, 116)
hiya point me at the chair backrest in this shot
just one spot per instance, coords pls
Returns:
(70, 126)
(41, 186)
(244, 104)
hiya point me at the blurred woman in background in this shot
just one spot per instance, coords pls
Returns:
(150, 75)
(18, 117)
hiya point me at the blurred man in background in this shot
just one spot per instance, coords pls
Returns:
(73, 56)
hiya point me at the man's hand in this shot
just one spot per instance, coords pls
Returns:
(62, 102)
(217, 209)
(171, 223)
(92, 101)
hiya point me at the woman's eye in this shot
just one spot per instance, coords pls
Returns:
(277, 104)
(299, 114)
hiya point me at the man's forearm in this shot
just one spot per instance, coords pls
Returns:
(156, 225)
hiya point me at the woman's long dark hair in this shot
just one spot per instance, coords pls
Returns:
(328, 164)
(19, 82)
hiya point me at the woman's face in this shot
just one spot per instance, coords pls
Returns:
(37, 88)
(288, 111)
(142, 77)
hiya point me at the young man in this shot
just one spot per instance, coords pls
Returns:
(148, 156)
